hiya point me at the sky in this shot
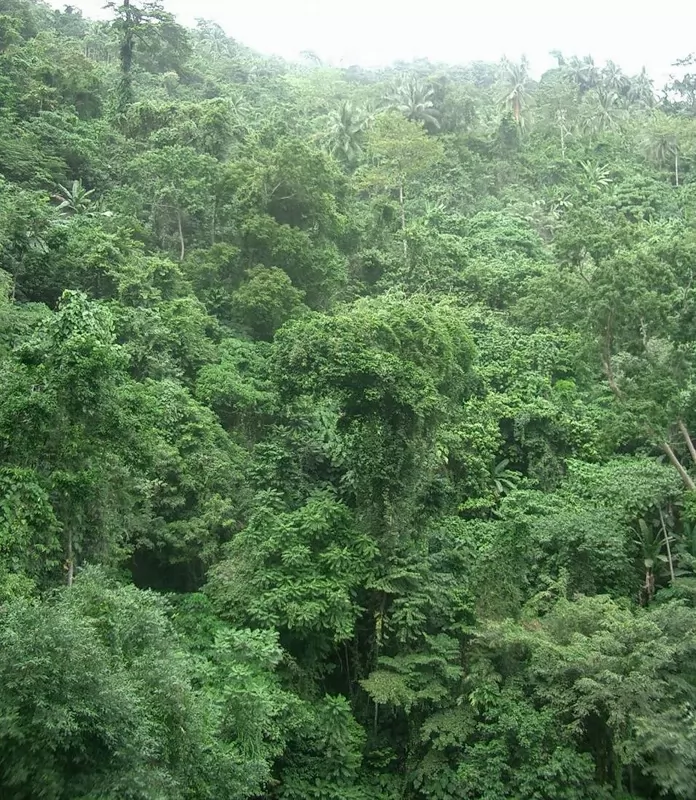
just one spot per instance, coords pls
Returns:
(377, 32)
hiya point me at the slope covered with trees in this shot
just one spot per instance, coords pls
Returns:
(345, 423)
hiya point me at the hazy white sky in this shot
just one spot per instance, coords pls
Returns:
(372, 32)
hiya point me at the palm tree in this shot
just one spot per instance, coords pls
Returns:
(601, 111)
(582, 72)
(347, 124)
(651, 540)
(75, 200)
(614, 80)
(415, 101)
(312, 58)
(640, 90)
(560, 58)
(663, 143)
(561, 121)
(515, 99)
(213, 40)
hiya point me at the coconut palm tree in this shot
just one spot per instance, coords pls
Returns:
(212, 39)
(614, 80)
(515, 99)
(563, 129)
(583, 72)
(640, 90)
(312, 58)
(560, 58)
(663, 143)
(601, 111)
(414, 100)
(347, 125)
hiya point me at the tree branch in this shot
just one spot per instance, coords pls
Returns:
(687, 438)
(688, 480)
(181, 236)
(667, 545)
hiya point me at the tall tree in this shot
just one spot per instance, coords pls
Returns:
(347, 126)
(664, 142)
(399, 153)
(414, 100)
(515, 81)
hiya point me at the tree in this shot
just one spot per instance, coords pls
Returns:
(347, 126)
(632, 702)
(297, 572)
(65, 399)
(641, 91)
(600, 111)
(583, 72)
(414, 100)
(399, 152)
(663, 142)
(212, 39)
(614, 80)
(390, 364)
(684, 87)
(149, 29)
(266, 300)
(346, 422)
(178, 189)
(97, 699)
(515, 99)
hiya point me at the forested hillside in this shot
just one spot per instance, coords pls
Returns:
(345, 422)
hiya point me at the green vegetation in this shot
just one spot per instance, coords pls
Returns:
(345, 423)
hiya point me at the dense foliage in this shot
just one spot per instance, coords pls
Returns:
(345, 421)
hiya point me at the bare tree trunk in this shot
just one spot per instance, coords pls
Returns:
(609, 372)
(687, 438)
(181, 236)
(676, 168)
(688, 480)
(667, 545)
(607, 346)
(403, 221)
(71, 559)
(212, 227)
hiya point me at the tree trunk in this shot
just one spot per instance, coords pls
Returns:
(667, 545)
(403, 222)
(125, 94)
(676, 168)
(687, 438)
(212, 227)
(609, 372)
(182, 251)
(127, 47)
(71, 559)
(688, 480)
(607, 347)
(618, 767)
